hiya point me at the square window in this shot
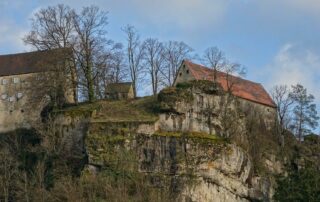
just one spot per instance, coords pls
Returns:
(4, 82)
(11, 99)
(19, 95)
(16, 80)
(4, 96)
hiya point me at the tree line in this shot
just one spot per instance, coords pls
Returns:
(146, 62)
(297, 111)
(100, 60)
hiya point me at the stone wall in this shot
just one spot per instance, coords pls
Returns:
(23, 97)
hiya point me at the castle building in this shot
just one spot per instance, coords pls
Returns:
(30, 81)
(247, 91)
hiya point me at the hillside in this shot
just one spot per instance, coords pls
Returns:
(191, 143)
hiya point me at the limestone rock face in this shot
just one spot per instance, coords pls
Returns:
(208, 113)
(185, 152)
(223, 179)
(193, 169)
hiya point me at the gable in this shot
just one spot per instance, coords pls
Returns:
(239, 87)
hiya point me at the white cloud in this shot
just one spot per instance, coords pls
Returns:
(294, 65)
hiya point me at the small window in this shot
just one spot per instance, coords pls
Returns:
(180, 74)
(187, 71)
(4, 96)
(4, 82)
(19, 95)
(16, 80)
(12, 99)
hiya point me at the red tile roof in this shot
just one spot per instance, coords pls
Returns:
(31, 62)
(239, 87)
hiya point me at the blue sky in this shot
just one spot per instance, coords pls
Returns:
(278, 41)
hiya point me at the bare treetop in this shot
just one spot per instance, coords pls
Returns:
(51, 28)
(215, 59)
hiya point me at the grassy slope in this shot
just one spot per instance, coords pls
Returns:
(140, 110)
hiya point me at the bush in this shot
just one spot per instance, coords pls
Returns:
(299, 185)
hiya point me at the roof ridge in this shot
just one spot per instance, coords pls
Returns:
(244, 88)
(205, 67)
(35, 51)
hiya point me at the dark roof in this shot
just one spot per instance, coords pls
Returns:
(119, 87)
(32, 62)
(240, 87)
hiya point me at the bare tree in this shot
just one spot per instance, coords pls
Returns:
(215, 59)
(135, 54)
(117, 65)
(53, 28)
(223, 69)
(154, 59)
(84, 32)
(281, 95)
(110, 68)
(89, 45)
(174, 53)
(232, 70)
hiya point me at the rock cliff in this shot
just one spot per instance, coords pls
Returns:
(193, 143)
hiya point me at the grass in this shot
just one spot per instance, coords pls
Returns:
(138, 110)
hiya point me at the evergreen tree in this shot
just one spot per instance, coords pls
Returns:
(299, 185)
(304, 112)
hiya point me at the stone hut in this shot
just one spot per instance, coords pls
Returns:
(119, 91)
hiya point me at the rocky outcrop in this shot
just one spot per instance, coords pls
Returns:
(190, 168)
(187, 152)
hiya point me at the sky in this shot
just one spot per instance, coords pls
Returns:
(277, 41)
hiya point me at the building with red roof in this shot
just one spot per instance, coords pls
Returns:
(241, 88)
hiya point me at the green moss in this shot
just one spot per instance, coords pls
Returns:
(199, 136)
(169, 97)
(168, 134)
(83, 109)
(312, 139)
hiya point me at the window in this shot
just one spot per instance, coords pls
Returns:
(4, 96)
(201, 101)
(187, 71)
(19, 95)
(4, 82)
(180, 74)
(16, 80)
(12, 99)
